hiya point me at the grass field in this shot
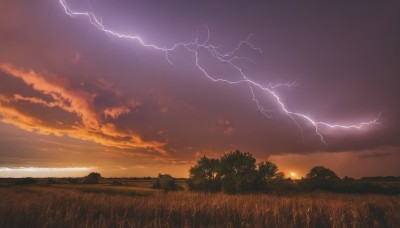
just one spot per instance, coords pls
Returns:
(129, 206)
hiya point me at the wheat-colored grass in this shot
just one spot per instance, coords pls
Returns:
(57, 207)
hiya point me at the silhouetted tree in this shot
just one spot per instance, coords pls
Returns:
(320, 177)
(280, 183)
(267, 169)
(237, 172)
(265, 173)
(205, 175)
(92, 178)
(165, 182)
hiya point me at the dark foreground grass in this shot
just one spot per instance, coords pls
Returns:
(107, 189)
(57, 207)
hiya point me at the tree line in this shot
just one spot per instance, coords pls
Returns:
(238, 172)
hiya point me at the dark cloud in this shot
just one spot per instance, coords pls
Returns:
(62, 76)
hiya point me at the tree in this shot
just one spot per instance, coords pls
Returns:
(205, 175)
(165, 182)
(320, 177)
(281, 184)
(266, 172)
(267, 169)
(92, 178)
(237, 172)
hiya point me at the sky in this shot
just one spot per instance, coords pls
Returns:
(260, 77)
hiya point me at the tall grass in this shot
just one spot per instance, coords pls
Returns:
(50, 207)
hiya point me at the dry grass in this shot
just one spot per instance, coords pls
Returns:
(57, 207)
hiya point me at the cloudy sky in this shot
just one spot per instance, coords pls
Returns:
(74, 98)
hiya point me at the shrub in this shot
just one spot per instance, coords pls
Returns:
(321, 178)
(51, 181)
(72, 180)
(365, 187)
(165, 182)
(92, 178)
(26, 180)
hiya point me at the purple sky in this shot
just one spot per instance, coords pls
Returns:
(74, 96)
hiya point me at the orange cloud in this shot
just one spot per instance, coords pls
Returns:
(90, 127)
(35, 100)
(116, 112)
(67, 99)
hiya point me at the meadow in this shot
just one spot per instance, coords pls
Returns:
(104, 205)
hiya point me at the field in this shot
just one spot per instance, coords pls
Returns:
(104, 205)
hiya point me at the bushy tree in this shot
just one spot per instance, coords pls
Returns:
(205, 175)
(234, 172)
(267, 169)
(265, 174)
(92, 178)
(237, 172)
(165, 182)
(320, 177)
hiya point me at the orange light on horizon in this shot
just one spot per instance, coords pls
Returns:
(45, 171)
(294, 175)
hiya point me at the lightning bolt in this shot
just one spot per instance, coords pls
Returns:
(228, 58)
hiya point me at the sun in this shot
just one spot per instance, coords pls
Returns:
(293, 175)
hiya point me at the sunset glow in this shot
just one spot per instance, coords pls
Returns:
(44, 172)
